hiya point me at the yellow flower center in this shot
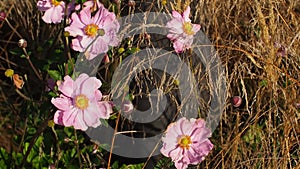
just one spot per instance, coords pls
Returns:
(55, 2)
(185, 141)
(91, 30)
(81, 101)
(188, 28)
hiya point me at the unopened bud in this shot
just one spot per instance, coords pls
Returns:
(51, 123)
(127, 107)
(2, 16)
(297, 105)
(121, 50)
(106, 59)
(131, 3)
(66, 34)
(164, 2)
(22, 43)
(9, 73)
(236, 101)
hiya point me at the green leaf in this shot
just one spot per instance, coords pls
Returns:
(104, 122)
(16, 51)
(54, 74)
(263, 83)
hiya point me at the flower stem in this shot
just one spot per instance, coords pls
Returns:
(113, 140)
(22, 95)
(31, 64)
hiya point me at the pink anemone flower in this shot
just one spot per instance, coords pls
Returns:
(79, 104)
(181, 30)
(186, 142)
(93, 34)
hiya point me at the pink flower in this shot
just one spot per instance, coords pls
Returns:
(54, 10)
(79, 104)
(182, 31)
(94, 33)
(186, 142)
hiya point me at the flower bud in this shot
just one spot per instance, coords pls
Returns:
(116, 1)
(121, 50)
(22, 43)
(127, 107)
(66, 34)
(9, 73)
(297, 105)
(147, 36)
(51, 166)
(176, 82)
(236, 101)
(2, 16)
(131, 3)
(106, 59)
(51, 123)
(164, 2)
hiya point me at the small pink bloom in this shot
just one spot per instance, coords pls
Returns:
(186, 142)
(94, 33)
(54, 10)
(79, 104)
(182, 31)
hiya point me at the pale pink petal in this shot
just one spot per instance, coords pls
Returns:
(67, 86)
(105, 109)
(57, 14)
(58, 117)
(175, 14)
(196, 28)
(186, 14)
(76, 27)
(89, 86)
(76, 45)
(178, 46)
(69, 117)
(98, 95)
(85, 16)
(79, 122)
(62, 103)
(91, 115)
(44, 5)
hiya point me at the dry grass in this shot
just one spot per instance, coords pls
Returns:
(249, 37)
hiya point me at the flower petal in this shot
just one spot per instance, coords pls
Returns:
(67, 86)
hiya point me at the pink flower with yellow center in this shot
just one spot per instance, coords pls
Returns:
(186, 142)
(94, 34)
(54, 10)
(181, 30)
(79, 104)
